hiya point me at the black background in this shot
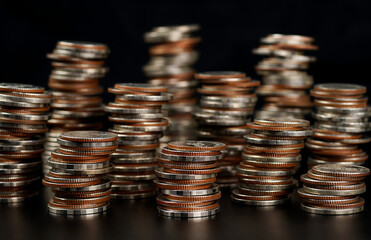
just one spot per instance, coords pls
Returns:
(30, 29)
(230, 29)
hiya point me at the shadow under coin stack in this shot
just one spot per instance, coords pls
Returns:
(138, 120)
(227, 103)
(285, 82)
(77, 175)
(341, 118)
(78, 66)
(186, 179)
(172, 57)
(270, 159)
(23, 116)
(333, 189)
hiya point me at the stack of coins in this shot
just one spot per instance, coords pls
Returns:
(270, 159)
(172, 57)
(77, 174)
(285, 83)
(139, 123)
(333, 189)
(23, 116)
(341, 118)
(78, 66)
(227, 103)
(186, 179)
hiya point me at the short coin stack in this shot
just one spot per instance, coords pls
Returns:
(139, 123)
(227, 103)
(172, 56)
(23, 116)
(270, 159)
(186, 179)
(77, 173)
(341, 118)
(78, 66)
(285, 83)
(333, 189)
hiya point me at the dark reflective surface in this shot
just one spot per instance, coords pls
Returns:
(139, 220)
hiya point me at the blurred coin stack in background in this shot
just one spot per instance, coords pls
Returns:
(23, 116)
(138, 120)
(333, 189)
(77, 175)
(172, 57)
(270, 159)
(285, 82)
(74, 80)
(186, 179)
(341, 120)
(227, 103)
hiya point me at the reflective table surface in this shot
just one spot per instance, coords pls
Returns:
(139, 220)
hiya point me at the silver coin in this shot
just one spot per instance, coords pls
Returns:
(259, 203)
(335, 192)
(269, 187)
(338, 170)
(104, 184)
(77, 212)
(255, 140)
(261, 172)
(91, 136)
(331, 211)
(85, 144)
(85, 171)
(77, 166)
(178, 176)
(190, 158)
(183, 214)
(20, 87)
(141, 177)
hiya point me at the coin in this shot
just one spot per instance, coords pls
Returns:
(139, 122)
(333, 189)
(172, 56)
(285, 84)
(78, 66)
(23, 116)
(77, 176)
(187, 188)
(227, 102)
(341, 121)
(269, 161)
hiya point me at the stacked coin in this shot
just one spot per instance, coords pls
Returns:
(333, 189)
(139, 123)
(227, 103)
(77, 173)
(285, 82)
(172, 56)
(341, 118)
(23, 116)
(78, 66)
(270, 159)
(186, 179)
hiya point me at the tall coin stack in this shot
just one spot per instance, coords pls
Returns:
(285, 82)
(341, 118)
(270, 159)
(78, 66)
(333, 189)
(138, 120)
(77, 173)
(227, 103)
(23, 116)
(172, 57)
(186, 179)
